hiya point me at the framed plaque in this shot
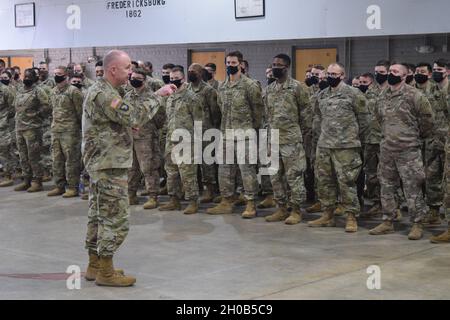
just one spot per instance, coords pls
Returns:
(249, 8)
(24, 15)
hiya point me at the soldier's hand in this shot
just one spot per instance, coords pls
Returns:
(167, 90)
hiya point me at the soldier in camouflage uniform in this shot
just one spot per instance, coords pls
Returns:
(287, 102)
(241, 104)
(183, 108)
(78, 70)
(341, 112)
(211, 74)
(211, 119)
(7, 155)
(146, 154)
(434, 155)
(108, 155)
(32, 106)
(66, 101)
(406, 118)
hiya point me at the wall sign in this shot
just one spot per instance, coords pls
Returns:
(249, 8)
(24, 15)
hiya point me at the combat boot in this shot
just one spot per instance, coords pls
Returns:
(36, 186)
(70, 193)
(351, 224)
(224, 207)
(268, 202)
(152, 203)
(316, 207)
(280, 215)
(326, 220)
(93, 266)
(339, 211)
(374, 211)
(442, 238)
(7, 181)
(398, 215)
(432, 217)
(163, 191)
(106, 275)
(217, 199)
(47, 177)
(295, 217)
(250, 210)
(208, 194)
(416, 232)
(240, 201)
(385, 227)
(56, 192)
(192, 207)
(133, 199)
(172, 205)
(23, 186)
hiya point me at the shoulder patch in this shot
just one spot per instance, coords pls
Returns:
(124, 107)
(116, 102)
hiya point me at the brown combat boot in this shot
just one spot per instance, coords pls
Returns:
(374, 211)
(432, 217)
(295, 217)
(268, 202)
(339, 211)
(351, 224)
(56, 192)
(208, 194)
(106, 275)
(36, 186)
(172, 205)
(326, 220)
(23, 186)
(47, 177)
(192, 207)
(152, 203)
(250, 210)
(416, 232)
(280, 215)
(70, 193)
(93, 266)
(398, 215)
(240, 201)
(316, 207)
(132, 198)
(385, 227)
(7, 181)
(442, 238)
(224, 207)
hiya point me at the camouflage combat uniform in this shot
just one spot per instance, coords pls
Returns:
(46, 157)
(7, 155)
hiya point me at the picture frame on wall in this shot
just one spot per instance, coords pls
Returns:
(24, 15)
(249, 9)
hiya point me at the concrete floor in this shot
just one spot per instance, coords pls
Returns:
(212, 257)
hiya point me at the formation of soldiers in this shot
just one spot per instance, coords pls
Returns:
(381, 140)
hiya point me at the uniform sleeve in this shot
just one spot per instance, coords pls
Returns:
(363, 116)
(44, 102)
(316, 125)
(425, 116)
(10, 97)
(197, 110)
(77, 100)
(256, 104)
(213, 104)
(304, 113)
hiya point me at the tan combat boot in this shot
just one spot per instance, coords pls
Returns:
(250, 210)
(93, 266)
(351, 224)
(240, 201)
(295, 217)
(398, 215)
(36, 186)
(172, 205)
(133, 199)
(432, 217)
(192, 207)
(280, 215)
(208, 194)
(70, 193)
(268, 202)
(326, 220)
(224, 207)
(56, 192)
(416, 232)
(316, 207)
(23, 186)
(217, 199)
(7, 181)
(47, 177)
(106, 275)
(385, 227)
(152, 203)
(339, 211)
(442, 238)
(374, 211)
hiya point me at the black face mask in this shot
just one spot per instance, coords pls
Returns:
(177, 83)
(207, 76)
(308, 82)
(271, 80)
(192, 77)
(313, 80)
(438, 76)
(381, 78)
(420, 78)
(5, 82)
(16, 77)
(363, 88)
(278, 72)
(166, 79)
(334, 82)
(323, 84)
(136, 83)
(77, 85)
(409, 78)
(28, 82)
(232, 70)
(393, 80)
(59, 79)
